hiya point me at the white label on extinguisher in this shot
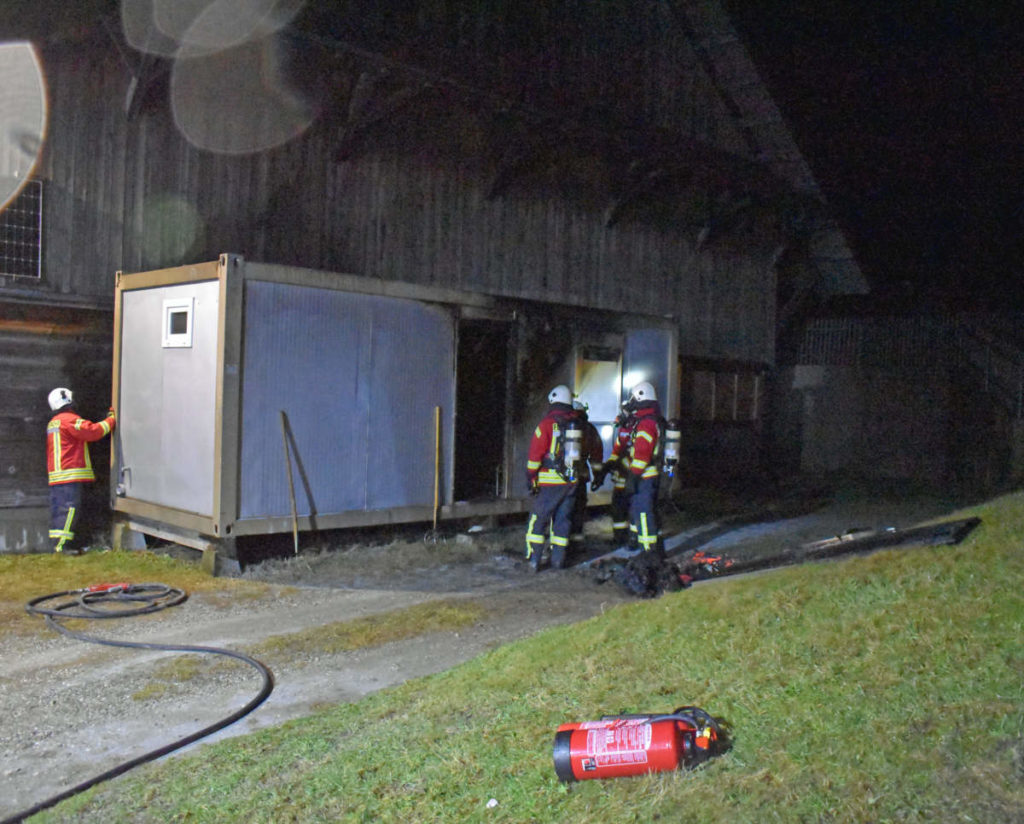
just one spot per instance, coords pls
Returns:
(627, 744)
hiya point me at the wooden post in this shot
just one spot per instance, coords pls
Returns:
(437, 461)
(291, 485)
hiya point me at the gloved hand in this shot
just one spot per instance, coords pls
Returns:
(629, 486)
(598, 480)
(534, 489)
(531, 483)
(110, 413)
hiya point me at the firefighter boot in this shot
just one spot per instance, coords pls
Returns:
(558, 558)
(535, 559)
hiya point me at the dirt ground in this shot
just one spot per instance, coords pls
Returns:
(73, 710)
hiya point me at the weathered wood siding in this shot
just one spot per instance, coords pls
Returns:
(413, 203)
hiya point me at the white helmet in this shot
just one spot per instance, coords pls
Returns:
(560, 394)
(643, 391)
(59, 397)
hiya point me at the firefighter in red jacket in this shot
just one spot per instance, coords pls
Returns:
(642, 463)
(68, 465)
(551, 482)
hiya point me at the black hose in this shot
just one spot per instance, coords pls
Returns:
(89, 603)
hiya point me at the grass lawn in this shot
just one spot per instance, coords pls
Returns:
(872, 689)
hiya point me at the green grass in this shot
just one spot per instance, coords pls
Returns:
(872, 689)
(23, 577)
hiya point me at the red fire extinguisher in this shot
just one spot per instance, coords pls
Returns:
(634, 744)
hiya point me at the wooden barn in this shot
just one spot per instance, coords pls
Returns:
(594, 161)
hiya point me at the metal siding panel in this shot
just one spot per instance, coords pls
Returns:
(358, 377)
(168, 400)
(302, 353)
(413, 371)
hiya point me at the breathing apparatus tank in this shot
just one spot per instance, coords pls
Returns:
(573, 448)
(673, 438)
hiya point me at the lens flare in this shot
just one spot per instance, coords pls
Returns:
(23, 116)
(190, 28)
(238, 101)
(173, 228)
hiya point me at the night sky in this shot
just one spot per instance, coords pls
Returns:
(910, 115)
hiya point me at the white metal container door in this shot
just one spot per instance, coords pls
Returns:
(169, 395)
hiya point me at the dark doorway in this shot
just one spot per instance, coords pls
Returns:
(481, 371)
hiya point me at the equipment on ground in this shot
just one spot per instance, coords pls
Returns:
(624, 745)
(702, 566)
(651, 574)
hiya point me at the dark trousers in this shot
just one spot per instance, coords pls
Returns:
(551, 506)
(579, 514)
(619, 510)
(65, 514)
(643, 513)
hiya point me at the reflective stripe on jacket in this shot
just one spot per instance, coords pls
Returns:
(67, 447)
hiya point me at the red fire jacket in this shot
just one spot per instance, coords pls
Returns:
(544, 457)
(640, 449)
(67, 448)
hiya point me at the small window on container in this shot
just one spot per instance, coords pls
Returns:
(177, 323)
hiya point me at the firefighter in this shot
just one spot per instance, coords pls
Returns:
(551, 482)
(643, 469)
(616, 467)
(591, 465)
(68, 465)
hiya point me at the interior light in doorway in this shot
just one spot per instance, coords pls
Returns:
(631, 379)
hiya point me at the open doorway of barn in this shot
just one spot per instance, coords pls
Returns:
(480, 409)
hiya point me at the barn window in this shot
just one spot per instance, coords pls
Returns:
(726, 395)
(177, 323)
(21, 233)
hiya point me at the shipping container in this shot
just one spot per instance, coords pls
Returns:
(255, 398)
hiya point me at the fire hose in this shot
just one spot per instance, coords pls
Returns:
(102, 601)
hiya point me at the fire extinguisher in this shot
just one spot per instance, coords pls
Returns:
(623, 745)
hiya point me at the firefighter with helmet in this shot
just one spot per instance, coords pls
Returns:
(641, 461)
(551, 482)
(69, 466)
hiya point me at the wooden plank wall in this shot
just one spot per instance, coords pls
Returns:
(132, 194)
(41, 349)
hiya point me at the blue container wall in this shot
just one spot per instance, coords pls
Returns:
(358, 377)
